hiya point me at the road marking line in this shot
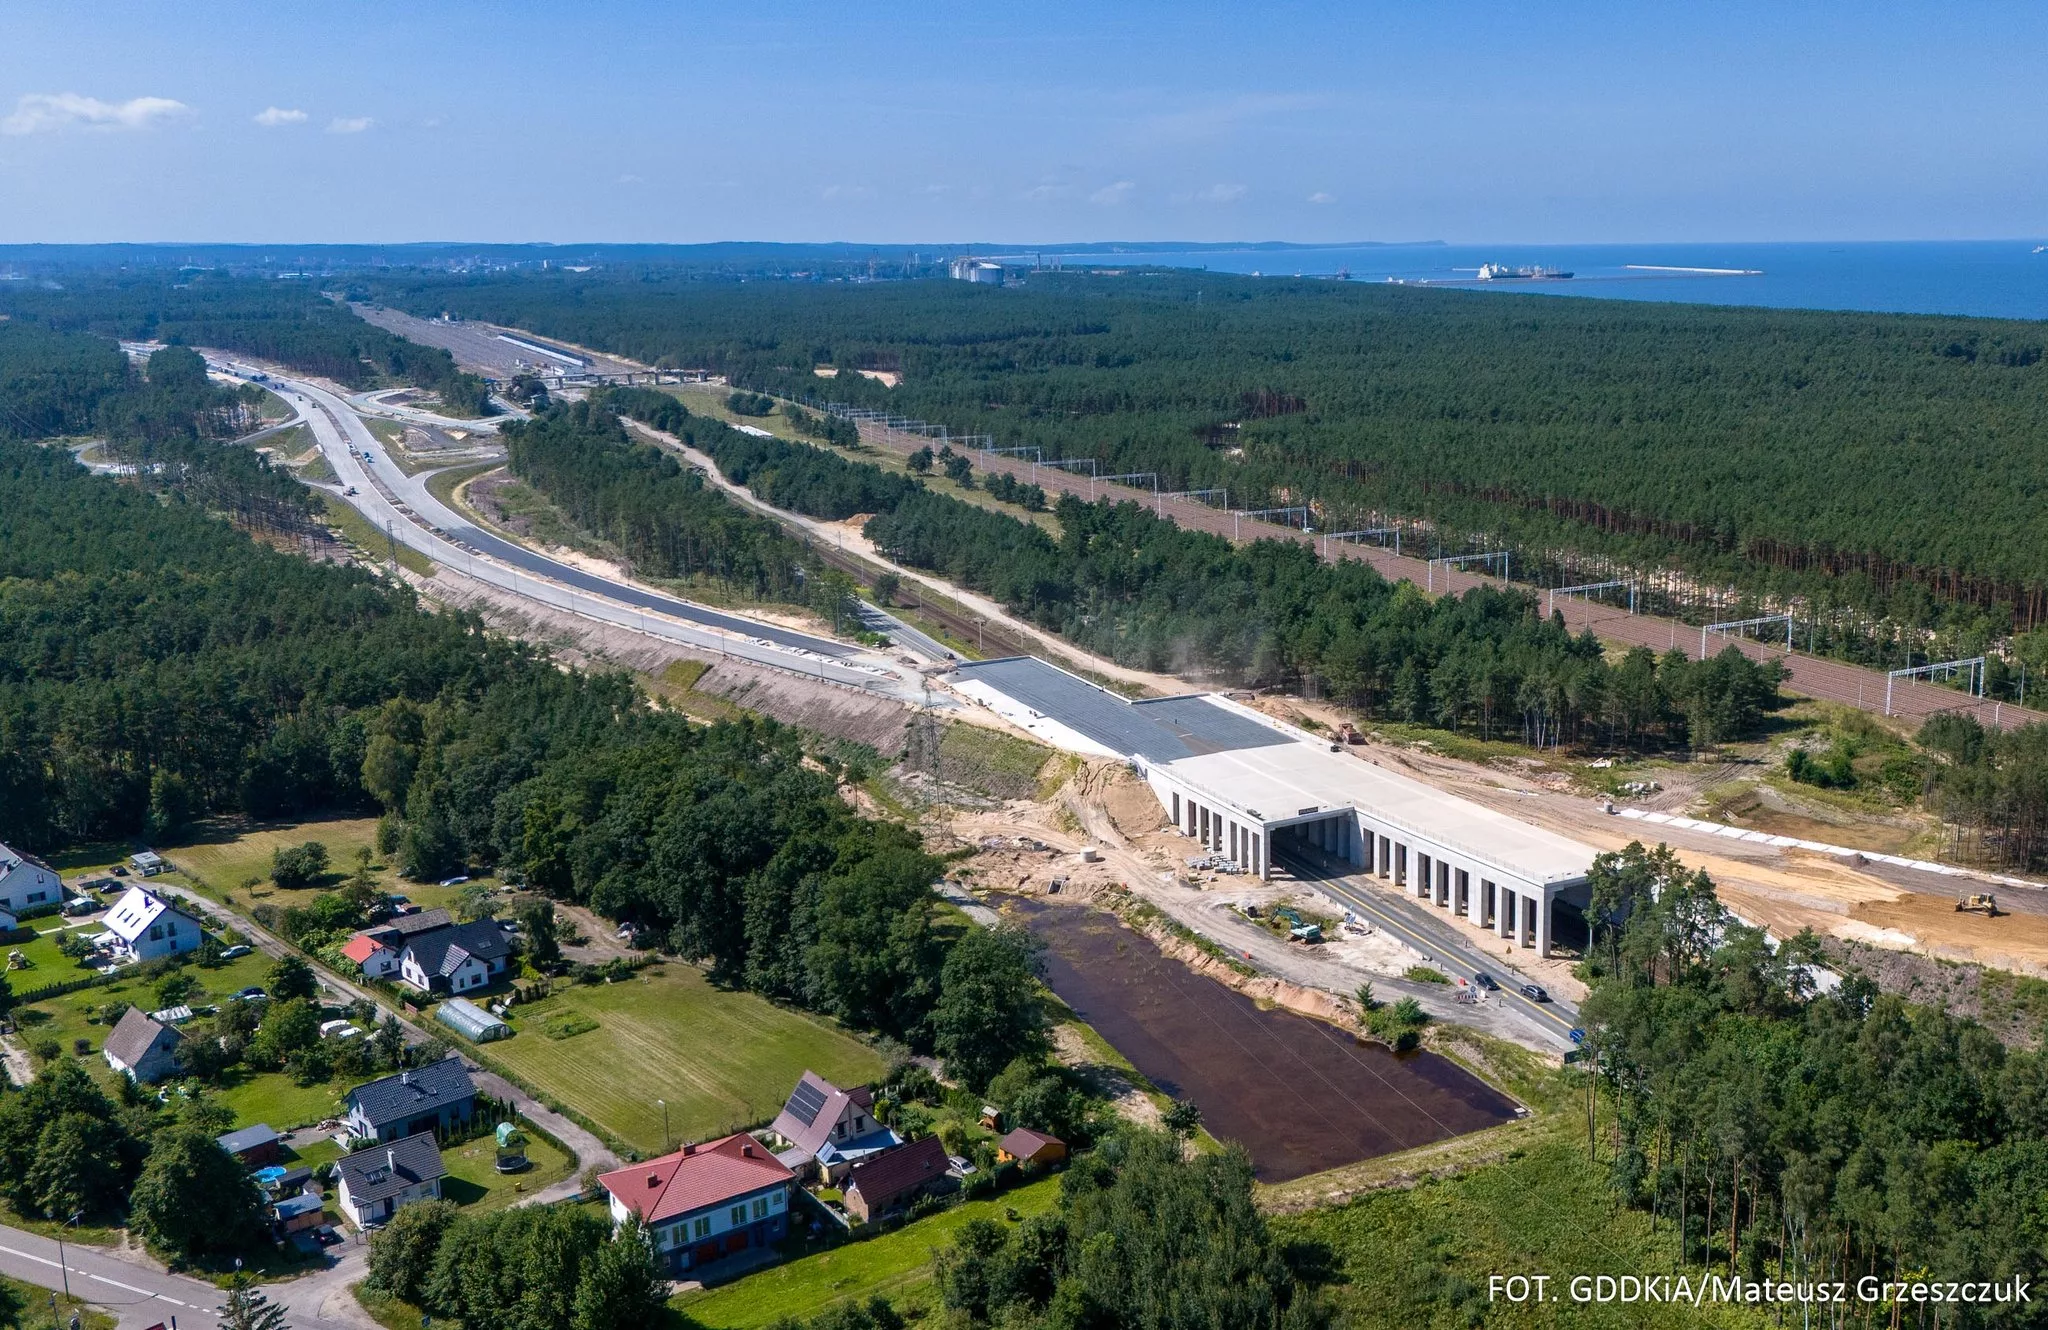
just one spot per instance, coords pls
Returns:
(30, 1256)
(147, 1293)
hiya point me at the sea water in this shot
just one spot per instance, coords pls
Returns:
(1993, 278)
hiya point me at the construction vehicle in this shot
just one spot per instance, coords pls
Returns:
(1985, 904)
(1349, 733)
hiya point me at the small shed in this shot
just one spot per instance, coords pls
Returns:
(296, 1213)
(255, 1146)
(148, 863)
(1025, 1146)
(470, 1021)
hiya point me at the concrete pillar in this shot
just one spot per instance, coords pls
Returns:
(1525, 921)
(1443, 885)
(1176, 808)
(1507, 912)
(1461, 893)
(1367, 843)
(1400, 865)
(1542, 903)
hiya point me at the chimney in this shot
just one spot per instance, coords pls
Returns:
(689, 1148)
(653, 1181)
(391, 1159)
(405, 1078)
(746, 1151)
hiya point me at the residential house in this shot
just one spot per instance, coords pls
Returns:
(379, 1182)
(143, 926)
(706, 1202)
(254, 1146)
(376, 960)
(893, 1180)
(1025, 1146)
(434, 1098)
(829, 1127)
(457, 959)
(145, 1050)
(25, 881)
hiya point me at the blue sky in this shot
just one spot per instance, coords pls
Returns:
(377, 121)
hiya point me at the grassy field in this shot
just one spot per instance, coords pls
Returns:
(475, 1183)
(37, 1301)
(221, 864)
(722, 1060)
(897, 1265)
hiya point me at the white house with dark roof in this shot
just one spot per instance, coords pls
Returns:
(144, 926)
(457, 959)
(143, 1049)
(377, 1183)
(25, 882)
(437, 1097)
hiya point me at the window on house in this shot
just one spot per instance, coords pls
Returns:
(739, 1215)
(156, 932)
(760, 1207)
(703, 1228)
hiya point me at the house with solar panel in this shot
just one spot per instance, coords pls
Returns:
(705, 1203)
(828, 1130)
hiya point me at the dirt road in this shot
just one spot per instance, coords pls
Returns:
(1828, 680)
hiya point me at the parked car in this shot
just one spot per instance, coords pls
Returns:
(1535, 993)
(250, 994)
(236, 953)
(453, 881)
(1486, 981)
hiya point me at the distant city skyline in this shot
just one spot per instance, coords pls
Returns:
(644, 122)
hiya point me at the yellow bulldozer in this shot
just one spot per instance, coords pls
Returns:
(1985, 904)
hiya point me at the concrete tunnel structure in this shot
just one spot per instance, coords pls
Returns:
(1252, 788)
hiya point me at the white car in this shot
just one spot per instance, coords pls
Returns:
(236, 953)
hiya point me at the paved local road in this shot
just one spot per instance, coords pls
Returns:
(138, 1296)
(1435, 934)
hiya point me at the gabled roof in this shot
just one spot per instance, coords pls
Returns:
(409, 1093)
(361, 947)
(392, 932)
(1024, 1143)
(695, 1177)
(386, 1170)
(814, 1105)
(134, 1035)
(443, 950)
(897, 1172)
(13, 860)
(137, 910)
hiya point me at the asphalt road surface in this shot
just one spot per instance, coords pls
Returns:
(1436, 935)
(402, 505)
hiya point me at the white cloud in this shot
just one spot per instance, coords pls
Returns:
(43, 112)
(1048, 193)
(351, 124)
(1222, 194)
(1111, 195)
(630, 179)
(1322, 196)
(848, 193)
(271, 117)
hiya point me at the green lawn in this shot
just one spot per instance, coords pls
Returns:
(475, 1183)
(276, 1099)
(898, 1265)
(36, 1300)
(722, 1060)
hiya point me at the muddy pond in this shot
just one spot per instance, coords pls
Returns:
(1299, 1094)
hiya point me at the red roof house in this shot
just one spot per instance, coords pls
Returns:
(705, 1202)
